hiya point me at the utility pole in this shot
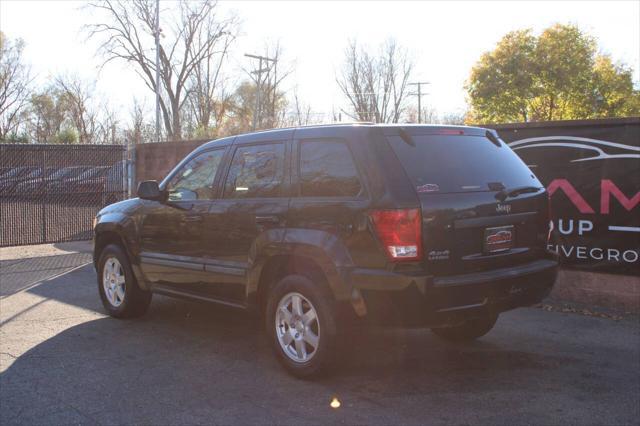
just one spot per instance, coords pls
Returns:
(259, 71)
(157, 34)
(419, 95)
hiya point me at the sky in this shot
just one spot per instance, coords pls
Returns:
(444, 38)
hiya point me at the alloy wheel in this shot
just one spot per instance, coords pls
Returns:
(113, 281)
(297, 327)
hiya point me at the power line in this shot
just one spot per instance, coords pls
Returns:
(419, 95)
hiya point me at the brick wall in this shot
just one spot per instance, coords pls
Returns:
(155, 160)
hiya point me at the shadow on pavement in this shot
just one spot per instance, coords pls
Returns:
(18, 274)
(188, 363)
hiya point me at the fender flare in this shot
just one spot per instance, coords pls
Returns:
(123, 226)
(323, 248)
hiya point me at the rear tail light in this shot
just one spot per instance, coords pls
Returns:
(400, 231)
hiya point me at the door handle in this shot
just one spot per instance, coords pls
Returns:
(267, 219)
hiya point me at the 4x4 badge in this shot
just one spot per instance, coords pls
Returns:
(503, 208)
(439, 255)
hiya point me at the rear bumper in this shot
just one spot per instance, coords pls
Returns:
(393, 298)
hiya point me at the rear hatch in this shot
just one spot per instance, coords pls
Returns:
(482, 208)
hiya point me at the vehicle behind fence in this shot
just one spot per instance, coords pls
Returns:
(51, 193)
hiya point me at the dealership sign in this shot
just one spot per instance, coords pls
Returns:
(592, 174)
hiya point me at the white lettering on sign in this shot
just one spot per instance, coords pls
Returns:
(566, 226)
(633, 256)
(565, 231)
(581, 252)
(592, 254)
(584, 226)
(595, 253)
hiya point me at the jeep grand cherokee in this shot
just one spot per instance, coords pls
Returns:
(317, 227)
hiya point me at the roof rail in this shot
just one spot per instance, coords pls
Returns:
(342, 123)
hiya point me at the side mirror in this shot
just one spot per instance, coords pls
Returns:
(149, 190)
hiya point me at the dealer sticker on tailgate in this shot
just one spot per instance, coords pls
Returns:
(498, 239)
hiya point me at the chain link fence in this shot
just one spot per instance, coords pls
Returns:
(51, 193)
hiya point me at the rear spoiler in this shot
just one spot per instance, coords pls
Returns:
(417, 130)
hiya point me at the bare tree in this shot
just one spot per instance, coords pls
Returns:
(429, 115)
(209, 96)
(135, 131)
(191, 36)
(375, 85)
(302, 111)
(108, 131)
(77, 99)
(15, 80)
(139, 128)
(68, 111)
(454, 118)
(242, 106)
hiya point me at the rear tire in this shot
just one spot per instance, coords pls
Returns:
(471, 329)
(119, 291)
(301, 326)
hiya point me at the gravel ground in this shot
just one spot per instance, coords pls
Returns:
(63, 361)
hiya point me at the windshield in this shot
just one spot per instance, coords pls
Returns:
(453, 163)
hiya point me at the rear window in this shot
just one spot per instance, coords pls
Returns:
(327, 170)
(452, 163)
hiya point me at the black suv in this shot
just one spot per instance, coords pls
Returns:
(317, 227)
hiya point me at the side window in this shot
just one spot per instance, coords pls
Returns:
(327, 170)
(256, 171)
(194, 181)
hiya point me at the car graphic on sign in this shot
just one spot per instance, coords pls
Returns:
(576, 149)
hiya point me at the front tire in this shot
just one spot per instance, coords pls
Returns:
(119, 291)
(301, 326)
(471, 329)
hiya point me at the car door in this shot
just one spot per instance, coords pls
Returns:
(171, 231)
(252, 210)
(329, 196)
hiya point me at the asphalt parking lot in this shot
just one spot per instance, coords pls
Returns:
(63, 361)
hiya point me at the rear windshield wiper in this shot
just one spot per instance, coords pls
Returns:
(492, 135)
(406, 137)
(514, 192)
